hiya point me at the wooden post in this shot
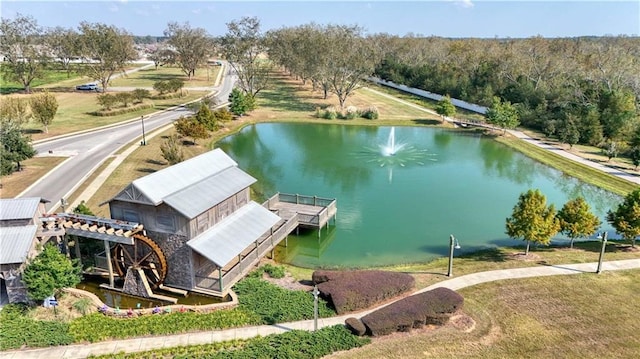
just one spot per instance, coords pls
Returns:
(77, 249)
(286, 241)
(107, 251)
(65, 242)
(220, 278)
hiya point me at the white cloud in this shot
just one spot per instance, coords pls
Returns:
(467, 4)
(197, 11)
(113, 8)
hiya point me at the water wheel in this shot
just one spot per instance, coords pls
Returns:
(144, 254)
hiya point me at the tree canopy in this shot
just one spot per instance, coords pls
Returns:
(577, 220)
(532, 220)
(106, 50)
(44, 107)
(23, 48)
(445, 108)
(49, 272)
(15, 148)
(626, 218)
(502, 114)
(191, 47)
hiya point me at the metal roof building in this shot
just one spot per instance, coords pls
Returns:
(18, 208)
(223, 242)
(16, 243)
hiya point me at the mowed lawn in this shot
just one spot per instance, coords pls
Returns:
(576, 316)
(145, 78)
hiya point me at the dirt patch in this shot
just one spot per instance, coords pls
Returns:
(463, 323)
(519, 256)
(288, 282)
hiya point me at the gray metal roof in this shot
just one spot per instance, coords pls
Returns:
(18, 208)
(161, 184)
(224, 241)
(210, 191)
(15, 243)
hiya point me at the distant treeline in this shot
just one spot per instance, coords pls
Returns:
(591, 84)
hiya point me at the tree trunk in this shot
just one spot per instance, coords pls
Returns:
(526, 253)
(571, 246)
(46, 129)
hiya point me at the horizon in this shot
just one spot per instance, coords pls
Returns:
(447, 19)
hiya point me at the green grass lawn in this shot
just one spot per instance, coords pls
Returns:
(204, 77)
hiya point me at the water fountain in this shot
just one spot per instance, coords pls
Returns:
(390, 149)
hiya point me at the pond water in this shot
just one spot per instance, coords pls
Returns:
(400, 207)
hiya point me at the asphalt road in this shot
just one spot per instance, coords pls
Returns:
(87, 151)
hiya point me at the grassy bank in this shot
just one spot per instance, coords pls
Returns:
(584, 173)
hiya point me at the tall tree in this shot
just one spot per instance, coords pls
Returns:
(577, 220)
(191, 46)
(568, 131)
(106, 50)
(15, 148)
(14, 111)
(626, 218)
(445, 108)
(618, 114)
(63, 44)
(240, 103)
(502, 114)
(188, 127)
(244, 47)
(23, 49)
(532, 220)
(49, 272)
(44, 107)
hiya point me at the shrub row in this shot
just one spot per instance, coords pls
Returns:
(276, 305)
(295, 344)
(97, 327)
(171, 95)
(350, 113)
(121, 110)
(18, 330)
(354, 290)
(432, 307)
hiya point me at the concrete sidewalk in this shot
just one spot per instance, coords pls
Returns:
(147, 343)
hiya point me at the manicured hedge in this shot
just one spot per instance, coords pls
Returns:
(354, 290)
(432, 307)
(276, 305)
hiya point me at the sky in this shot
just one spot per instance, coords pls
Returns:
(446, 18)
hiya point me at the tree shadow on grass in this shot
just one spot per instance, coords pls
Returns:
(146, 170)
(285, 101)
(156, 162)
(486, 255)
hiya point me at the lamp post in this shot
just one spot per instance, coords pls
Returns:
(603, 237)
(315, 307)
(64, 204)
(144, 139)
(453, 244)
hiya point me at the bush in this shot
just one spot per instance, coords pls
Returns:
(370, 113)
(354, 290)
(273, 271)
(330, 113)
(356, 326)
(432, 307)
(276, 305)
(119, 111)
(351, 113)
(19, 330)
(140, 94)
(107, 101)
(161, 87)
(124, 98)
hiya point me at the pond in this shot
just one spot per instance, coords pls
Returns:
(400, 207)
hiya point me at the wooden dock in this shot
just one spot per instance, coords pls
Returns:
(312, 211)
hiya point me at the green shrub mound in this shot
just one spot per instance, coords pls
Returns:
(354, 290)
(276, 305)
(18, 330)
(432, 307)
(295, 344)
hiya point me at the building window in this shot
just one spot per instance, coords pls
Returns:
(165, 222)
(131, 216)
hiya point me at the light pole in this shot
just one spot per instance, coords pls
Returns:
(603, 237)
(144, 139)
(453, 244)
(315, 307)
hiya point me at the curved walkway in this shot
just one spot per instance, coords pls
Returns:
(147, 343)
